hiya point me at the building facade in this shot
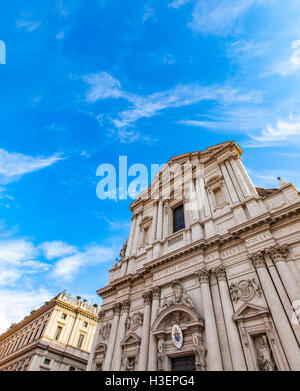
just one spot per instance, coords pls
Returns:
(56, 337)
(209, 277)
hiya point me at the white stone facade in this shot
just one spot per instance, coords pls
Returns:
(56, 337)
(228, 278)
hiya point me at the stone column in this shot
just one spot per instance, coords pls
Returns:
(279, 255)
(201, 187)
(244, 173)
(143, 360)
(116, 364)
(159, 220)
(136, 234)
(237, 354)
(152, 359)
(112, 337)
(214, 359)
(130, 238)
(154, 222)
(286, 335)
(240, 178)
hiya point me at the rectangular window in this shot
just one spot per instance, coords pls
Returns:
(64, 316)
(85, 324)
(80, 340)
(72, 369)
(47, 361)
(57, 333)
(178, 218)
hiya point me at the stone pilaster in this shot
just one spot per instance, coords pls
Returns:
(282, 325)
(131, 234)
(279, 255)
(116, 365)
(237, 354)
(166, 219)
(159, 220)
(112, 338)
(136, 237)
(214, 360)
(143, 360)
(152, 359)
(154, 222)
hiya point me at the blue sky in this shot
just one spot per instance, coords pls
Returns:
(86, 82)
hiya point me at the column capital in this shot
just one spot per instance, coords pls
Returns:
(278, 253)
(258, 259)
(220, 273)
(117, 308)
(156, 293)
(147, 297)
(125, 306)
(203, 275)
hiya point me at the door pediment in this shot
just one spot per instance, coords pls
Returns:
(248, 310)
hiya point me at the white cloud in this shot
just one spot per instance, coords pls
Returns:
(27, 23)
(13, 165)
(149, 13)
(284, 130)
(15, 305)
(268, 178)
(18, 257)
(67, 267)
(292, 65)
(218, 16)
(178, 3)
(104, 86)
(57, 249)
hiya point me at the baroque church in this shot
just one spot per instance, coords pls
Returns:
(209, 278)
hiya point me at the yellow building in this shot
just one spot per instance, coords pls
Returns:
(56, 337)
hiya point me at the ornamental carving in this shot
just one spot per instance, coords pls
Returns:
(278, 253)
(147, 297)
(117, 308)
(264, 354)
(244, 290)
(180, 296)
(203, 275)
(156, 293)
(105, 331)
(258, 259)
(220, 273)
(200, 356)
(136, 321)
(126, 306)
(123, 251)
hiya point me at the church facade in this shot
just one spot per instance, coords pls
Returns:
(209, 278)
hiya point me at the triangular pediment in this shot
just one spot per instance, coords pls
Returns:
(131, 339)
(248, 310)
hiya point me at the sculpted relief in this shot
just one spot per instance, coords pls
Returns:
(244, 290)
(105, 331)
(264, 354)
(180, 296)
(134, 322)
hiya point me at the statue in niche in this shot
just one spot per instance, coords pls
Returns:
(127, 323)
(265, 360)
(160, 355)
(130, 364)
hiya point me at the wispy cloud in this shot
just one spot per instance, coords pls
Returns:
(15, 305)
(66, 268)
(18, 257)
(149, 13)
(218, 16)
(178, 3)
(14, 165)
(104, 86)
(292, 65)
(57, 249)
(27, 22)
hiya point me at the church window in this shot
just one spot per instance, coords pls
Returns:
(178, 218)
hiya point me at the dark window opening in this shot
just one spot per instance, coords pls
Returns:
(178, 218)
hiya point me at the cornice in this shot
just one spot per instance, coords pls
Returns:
(266, 219)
